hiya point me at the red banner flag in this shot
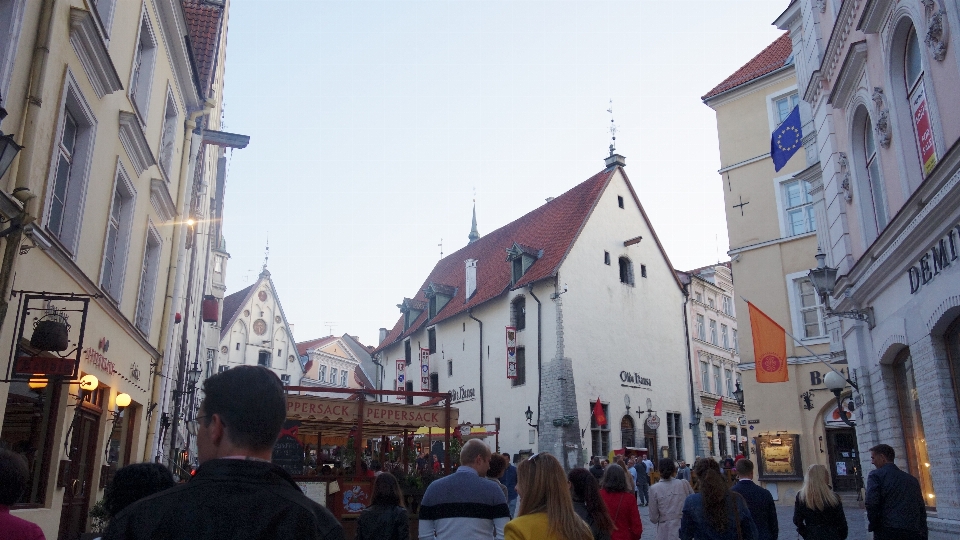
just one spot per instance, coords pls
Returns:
(769, 347)
(718, 410)
(598, 413)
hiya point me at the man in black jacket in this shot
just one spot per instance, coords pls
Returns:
(759, 501)
(236, 492)
(895, 507)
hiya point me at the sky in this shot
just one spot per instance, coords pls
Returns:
(375, 125)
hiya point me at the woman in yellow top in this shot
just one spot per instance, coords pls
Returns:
(546, 509)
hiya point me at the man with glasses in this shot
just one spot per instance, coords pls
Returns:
(464, 505)
(236, 492)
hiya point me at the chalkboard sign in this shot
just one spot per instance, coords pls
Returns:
(288, 452)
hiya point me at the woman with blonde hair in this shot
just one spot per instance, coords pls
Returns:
(818, 513)
(546, 510)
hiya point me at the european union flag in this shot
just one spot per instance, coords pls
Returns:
(786, 139)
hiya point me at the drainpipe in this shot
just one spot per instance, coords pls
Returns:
(470, 314)
(539, 356)
(379, 374)
(693, 401)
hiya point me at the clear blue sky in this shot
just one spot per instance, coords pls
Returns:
(373, 123)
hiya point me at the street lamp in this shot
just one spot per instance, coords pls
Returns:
(836, 383)
(529, 414)
(824, 280)
(696, 418)
(193, 377)
(8, 147)
(738, 395)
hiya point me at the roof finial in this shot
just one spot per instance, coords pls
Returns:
(613, 130)
(474, 235)
(441, 248)
(266, 257)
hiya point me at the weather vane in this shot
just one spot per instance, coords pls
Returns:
(613, 130)
(441, 248)
(266, 252)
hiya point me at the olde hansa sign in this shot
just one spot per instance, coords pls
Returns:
(347, 412)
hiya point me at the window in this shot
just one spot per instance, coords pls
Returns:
(727, 305)
(606, 258)
(736, 345)
(717, 389)
(729, 379)
(238, 346)
(11, 19)
(144, 58)
(628, 433)
(874, 183)
(911, 420)
(724, 337)
(521, 368)
(449, 368)
(705, 376)
(519, 313)
(713, 331)
(29, 422)
(722, 439)
(263, 359)
(620, 201)
(148, 282)
(104, 10)
(744, 447)
(409, 388)
(784, 106)
(322, 373)
(699, 297)
(285, 380)
(218, 265)
(811, 310)
(701, 333)
(431, 340)
(517, 269)
(710, 303)
(919, 105)
(168, 135)
(643, 270)
(599, 435)
(434, 382)
(710, 448)
(70, 168)
(675, 435)
(118, 237)
(798, 207)
(343, 378)
(221, 369)
(626, 271)
(406, 351)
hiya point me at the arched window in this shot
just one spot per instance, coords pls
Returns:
(912, 65)
(628, 434)
(953, 354)
(626, 271)
(872, 167)
(921, 120)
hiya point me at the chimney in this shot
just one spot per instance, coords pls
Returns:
(550, 199)
(615, 160)
(383, 335)
(471, 280)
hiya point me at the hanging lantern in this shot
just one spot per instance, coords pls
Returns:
(210, 308)
(50, 334)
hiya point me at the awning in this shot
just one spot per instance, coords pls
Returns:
(338, 417)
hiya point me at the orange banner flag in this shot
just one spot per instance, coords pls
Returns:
(769, 347)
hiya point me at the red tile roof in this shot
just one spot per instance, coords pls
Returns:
(204, 22)
(304, 346)
(770, 59)
(553, 228)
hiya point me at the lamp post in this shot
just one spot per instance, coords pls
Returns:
(696, 418)
(824, 280)
(836, 383)
(529, 414)
(738, 395)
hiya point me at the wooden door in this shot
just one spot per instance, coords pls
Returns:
(844, 458)
(78, 477)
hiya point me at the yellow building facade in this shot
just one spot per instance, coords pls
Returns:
(105, 97)
(772, 223)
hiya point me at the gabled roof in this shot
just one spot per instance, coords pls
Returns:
(305, 346)
(769, 60)
(232, 305)
(551, 230)
(204, 21)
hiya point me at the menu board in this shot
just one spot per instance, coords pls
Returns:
(779, 457)
(288, 452)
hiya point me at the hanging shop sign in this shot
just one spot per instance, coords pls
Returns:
(401, 378)
(924, 130)
(634, 380)
(511, 352)
(653, 422)
(53, 325)
(315, 408)
(779, 457)
(933, 261)
(462, 394)
(425, 370)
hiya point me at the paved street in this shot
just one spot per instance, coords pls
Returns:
(856, 521)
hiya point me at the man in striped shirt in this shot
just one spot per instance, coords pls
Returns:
(464, 505)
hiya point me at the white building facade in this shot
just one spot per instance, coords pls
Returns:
(578, 301)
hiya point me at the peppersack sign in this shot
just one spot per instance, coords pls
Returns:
(347, 412)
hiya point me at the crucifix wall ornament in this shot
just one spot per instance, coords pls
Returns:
(741, 205)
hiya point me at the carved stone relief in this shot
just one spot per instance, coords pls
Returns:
(821, 4)
(845, 177)
(936, 29)
(882, 117)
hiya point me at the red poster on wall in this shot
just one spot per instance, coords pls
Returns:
(924, 131)
(425, 370)
(511, 352)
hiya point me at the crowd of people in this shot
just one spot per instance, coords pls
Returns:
(238, 493)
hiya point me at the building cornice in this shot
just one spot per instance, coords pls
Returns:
(173, 27)
(874, 15)
(135, 142)
(92, 51)
(775, 241)
(161, 200)
(849, 75)
(743, 90)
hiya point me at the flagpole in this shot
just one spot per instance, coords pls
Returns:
(815, 355)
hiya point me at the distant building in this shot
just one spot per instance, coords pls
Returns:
(715, 360)
(335, 361)
(571, 302)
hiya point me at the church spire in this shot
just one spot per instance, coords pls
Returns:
(474, 235)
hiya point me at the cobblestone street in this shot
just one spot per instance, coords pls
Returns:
(856, 522)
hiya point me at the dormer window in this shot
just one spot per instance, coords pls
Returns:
(438, 295)
(411, 309)
(521, 258)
